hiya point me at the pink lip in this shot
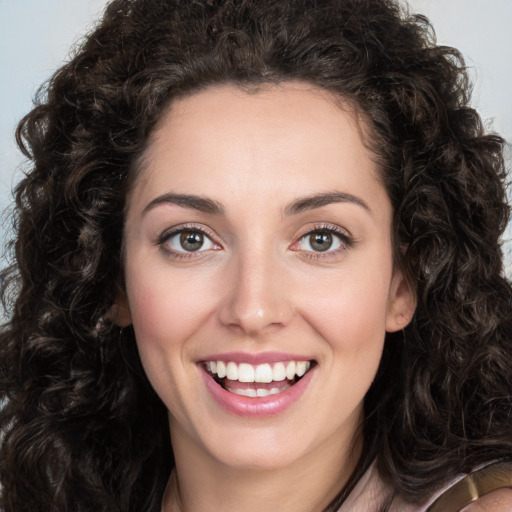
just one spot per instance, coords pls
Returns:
(263, 357)
(259, 407)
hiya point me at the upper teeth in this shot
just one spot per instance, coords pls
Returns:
(245, 372)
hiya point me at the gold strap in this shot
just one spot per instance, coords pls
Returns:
(473, 486)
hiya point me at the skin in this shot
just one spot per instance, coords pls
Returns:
(371, 492)
(496, 501)
(259, 286)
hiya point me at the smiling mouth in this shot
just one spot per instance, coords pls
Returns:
(257, 380)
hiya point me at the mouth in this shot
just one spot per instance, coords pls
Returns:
(257, 380)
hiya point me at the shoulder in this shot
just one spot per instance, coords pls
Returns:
(492, 483)
(499, 500)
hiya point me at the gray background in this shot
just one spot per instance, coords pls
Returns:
(36, 35)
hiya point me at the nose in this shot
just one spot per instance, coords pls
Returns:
(255, 297)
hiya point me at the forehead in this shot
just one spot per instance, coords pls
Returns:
(284, 138)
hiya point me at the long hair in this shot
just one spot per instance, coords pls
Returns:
(81, 428)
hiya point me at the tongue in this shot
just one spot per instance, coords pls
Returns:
(235, 384)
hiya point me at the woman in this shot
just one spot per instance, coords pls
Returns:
(270, 229)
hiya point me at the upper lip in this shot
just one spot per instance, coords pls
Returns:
(255, 358)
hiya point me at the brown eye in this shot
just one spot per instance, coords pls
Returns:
(323, 241)
(188, 240)
(320, 241)
(191, 240)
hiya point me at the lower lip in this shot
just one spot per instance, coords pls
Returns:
(259, 407)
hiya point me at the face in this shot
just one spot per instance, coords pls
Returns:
(259, 274)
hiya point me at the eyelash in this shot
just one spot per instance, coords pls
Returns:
(166, 236)
(346, 241)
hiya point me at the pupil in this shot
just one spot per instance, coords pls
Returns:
(321, 241)
(191, 240)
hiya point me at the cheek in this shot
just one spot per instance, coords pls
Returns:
(349, 311)
(165, 309)
(350, 318)
(165, 313)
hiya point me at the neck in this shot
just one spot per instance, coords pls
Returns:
(199, 482)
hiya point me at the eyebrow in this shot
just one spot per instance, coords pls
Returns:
(202, 204)
(207, 205)
(319, 200)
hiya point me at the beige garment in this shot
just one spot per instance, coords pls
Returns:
(370, 494)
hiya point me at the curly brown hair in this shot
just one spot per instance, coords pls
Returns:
(81, 428)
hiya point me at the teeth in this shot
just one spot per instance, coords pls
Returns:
(245, 392)
(290, 370)
(245, 373)
(221, 370)
(253, 393)
(278, 372)
(232, 371)
(302, 368)
(264, 373)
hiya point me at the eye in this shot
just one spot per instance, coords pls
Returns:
(188, 240)
(320, 241)
(323, 240)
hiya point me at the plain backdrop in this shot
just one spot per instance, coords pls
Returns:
(36, 35)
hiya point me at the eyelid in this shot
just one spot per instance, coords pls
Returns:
(345, 237)
(332, 228)
(175, 230)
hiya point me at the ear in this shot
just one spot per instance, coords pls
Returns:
(401, 303)
(120, 311)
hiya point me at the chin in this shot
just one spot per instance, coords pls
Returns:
(271, 448)
(259, 461)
